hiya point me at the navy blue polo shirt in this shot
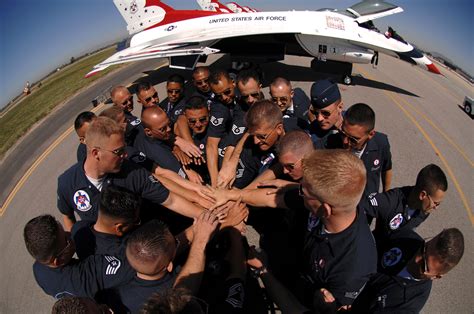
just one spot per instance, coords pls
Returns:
(324, 139)
(392, 212)
(160, 152)
(340, 262)
(377, 159)
(133, 127)
(131, 297)
(83, 278)
(297, 117)
(393, 289)
(173, 110)
(221, 118)
(90, 242)
(77, 194)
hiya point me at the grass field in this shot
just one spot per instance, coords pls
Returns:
(57, 88)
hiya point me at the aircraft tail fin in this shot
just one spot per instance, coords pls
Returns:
(213, 5)
(141, 14)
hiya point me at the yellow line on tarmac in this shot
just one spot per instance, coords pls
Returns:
(45, 154)
(35, 165)
(435, 148)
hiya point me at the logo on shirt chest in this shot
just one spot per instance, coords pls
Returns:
(396, 221)
(136, 122)
(391, 257)
(82, 201)
(216, 121)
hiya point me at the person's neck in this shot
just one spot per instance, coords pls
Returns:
(413, 200)
(150, 278)
(102, 227)
(336, 224)
(338, 123)
(92, 170)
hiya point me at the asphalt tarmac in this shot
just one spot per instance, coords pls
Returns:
(420, 111)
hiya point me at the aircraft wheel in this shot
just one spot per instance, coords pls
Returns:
(468, 108)
(347, 80)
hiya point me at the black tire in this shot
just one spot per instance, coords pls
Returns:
(468, 108)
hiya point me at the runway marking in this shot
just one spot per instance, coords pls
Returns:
(43, 156)
(38, 161)
(435, 148)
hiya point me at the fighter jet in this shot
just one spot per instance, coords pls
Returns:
(336, 39)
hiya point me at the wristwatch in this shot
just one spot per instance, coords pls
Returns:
(258, 272)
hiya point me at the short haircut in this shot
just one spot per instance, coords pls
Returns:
(196, 102)
(431, 179)
(335, 176)
(41, 237)
(147, 113)
(116, 90)
(150, 242)
(201, 69)
(175, 78)
(449, 248)
(143, 86)
(298, 142)
(71, 305)
(112, 112)
(263, 112)
(219, 75)
(360, 114)
(278, 81)
(83, 117)
(100, 130)
(118, 202)
(171, 301)
(245, 75)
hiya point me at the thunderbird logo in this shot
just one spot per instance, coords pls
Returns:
(82, 201)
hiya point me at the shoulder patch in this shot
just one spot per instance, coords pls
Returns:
(113, 265)
(238, 130)
(136, 122)
(216, 121)
(391, 257)
(82, 200)
(396, 221)
(178, 112)
(153, 179)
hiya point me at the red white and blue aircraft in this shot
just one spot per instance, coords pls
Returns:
(336, 39)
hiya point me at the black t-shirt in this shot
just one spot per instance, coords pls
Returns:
(160, 152)
(83, 278)
(393, 289)
(90, 242)
(76, 194)
(392, 212)
(131, 297)
(340, 262)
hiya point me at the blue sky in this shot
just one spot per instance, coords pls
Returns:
(36, 36)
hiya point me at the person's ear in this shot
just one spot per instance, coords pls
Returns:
(292, 93)
(280, 129)
(326, 210)
(119, 229)
(371, 134)
(95, 153)
(169, 268)
(423, 194)
(148, 132)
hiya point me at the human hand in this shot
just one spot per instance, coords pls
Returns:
(237, 214)
(256, 258)
(226, 177)
(220, 196)
(181, 156)
(188, 147)
(193, 176)
(203, 227)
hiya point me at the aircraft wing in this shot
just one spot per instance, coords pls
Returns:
(144, 52)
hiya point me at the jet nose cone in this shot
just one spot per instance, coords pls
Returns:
(432, 68)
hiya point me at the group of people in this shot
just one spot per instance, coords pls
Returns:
(163, 202)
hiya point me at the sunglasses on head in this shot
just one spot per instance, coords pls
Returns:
(254, 95)
(155, 95)
(201, 120)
